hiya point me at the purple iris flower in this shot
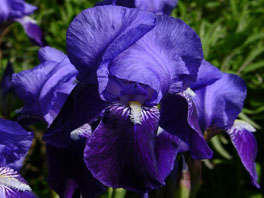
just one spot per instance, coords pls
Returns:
(45, 88)
(219, 99)
(18, 10)
(159, 7)
(129, 61)
(14, 145)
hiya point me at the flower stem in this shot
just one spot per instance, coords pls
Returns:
(109, 192)
(195, 167)
(119, 193)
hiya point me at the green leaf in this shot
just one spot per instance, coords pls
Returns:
(119, 193)
(252, 55)
(216, 142)
(254, 66)
(110, 192)
(254, 38)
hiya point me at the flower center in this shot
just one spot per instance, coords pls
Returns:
(135, 112)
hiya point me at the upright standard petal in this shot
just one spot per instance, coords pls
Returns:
(82, 106)
(12, 185)
(166, 58)
(125, 3)
(218, 104)
(124, 154)
(179, 117)
(156, 6)
(14, 144)
(207, 75)
(44, 88)
(246, 145)
(50, 54)
(99, 34)
(68, 173)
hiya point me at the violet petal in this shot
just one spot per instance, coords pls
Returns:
(122, 154)
(82, 106)
(179, 117)
(67, 172)
(50, 54)
(99, 34)
(218, 104)
(44, 88)
(14, 144)
(167, 57)
(246, 145)
(32, 29)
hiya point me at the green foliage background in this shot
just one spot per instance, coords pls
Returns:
(232, 33)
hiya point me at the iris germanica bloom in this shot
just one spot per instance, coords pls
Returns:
(18, 10)
(45, 88)
(157, 6)
(219, 99)
(14, 145)
(129, 61)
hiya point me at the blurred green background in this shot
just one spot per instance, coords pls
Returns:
(232, 34)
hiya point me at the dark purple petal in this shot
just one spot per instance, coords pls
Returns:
(12, 185)
(50, 54)
(167, 57)
(246, 146)
(32, 29)
(207, 75)
(82, 106)
(123, 154)
(165, 147)
(99, 34)
(218, 104)
(14, 144)
(68, 173)
(44, 88)
(178, 117)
